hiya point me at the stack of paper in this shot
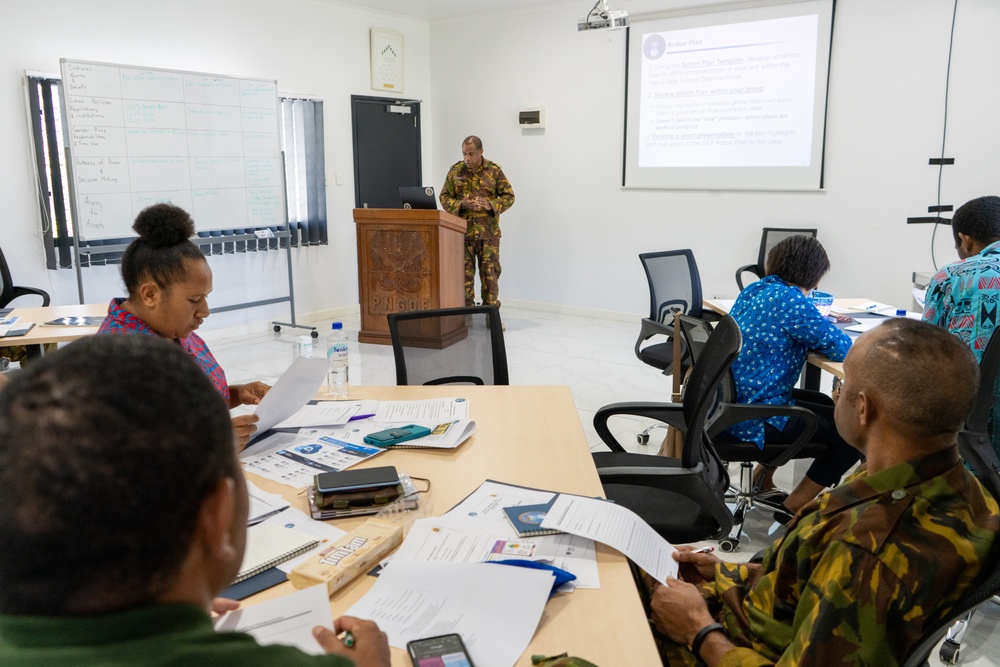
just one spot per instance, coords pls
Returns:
(495, 609)
(477, 530)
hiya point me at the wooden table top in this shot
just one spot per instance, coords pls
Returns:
(530, 436)
(41, 334)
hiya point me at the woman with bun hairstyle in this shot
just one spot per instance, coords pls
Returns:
(168, 282)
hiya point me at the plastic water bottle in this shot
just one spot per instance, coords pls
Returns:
(337, 355)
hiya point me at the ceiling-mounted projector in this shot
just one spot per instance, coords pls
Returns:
(602, 18)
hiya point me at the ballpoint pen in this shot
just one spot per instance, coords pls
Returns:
(704, 550)
(357, 417)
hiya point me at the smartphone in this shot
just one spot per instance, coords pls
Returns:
(396, 435)
(357, 480)
(441, 651)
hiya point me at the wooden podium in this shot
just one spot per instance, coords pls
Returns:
(409, 259)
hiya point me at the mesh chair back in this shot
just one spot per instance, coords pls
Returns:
(449, 346)
(771, 237)
(975, 441)
(674, 284)
(696, 333)
(701, 397)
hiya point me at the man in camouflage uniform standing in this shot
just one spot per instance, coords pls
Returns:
(867, 567)
(477, 190)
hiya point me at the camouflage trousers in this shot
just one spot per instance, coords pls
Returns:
(485, 252)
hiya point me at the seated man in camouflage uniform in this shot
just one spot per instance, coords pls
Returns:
(478, 190)
(866, 567)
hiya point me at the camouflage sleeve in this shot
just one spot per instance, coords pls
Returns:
(839, 622)
(503, 198)
(450, 198)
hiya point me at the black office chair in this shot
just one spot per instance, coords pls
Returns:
(747, 494)
(9, 291)
(449, 346)
(674, 288)
(976, 448)
(682, 499)
(768, 239)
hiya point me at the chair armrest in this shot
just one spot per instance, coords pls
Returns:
(29, 291)
(749, 268)
(668, 413)
(734, 413)
(650, 328)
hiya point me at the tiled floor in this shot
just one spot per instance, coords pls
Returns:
(594, 357)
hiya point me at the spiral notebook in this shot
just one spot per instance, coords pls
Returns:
(269, 545)
(527, 519)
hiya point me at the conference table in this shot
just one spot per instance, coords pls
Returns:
(529, 436)
(41, 334)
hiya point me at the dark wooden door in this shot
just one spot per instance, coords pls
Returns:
(386, 150)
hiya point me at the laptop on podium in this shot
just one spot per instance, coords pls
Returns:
(417, 196)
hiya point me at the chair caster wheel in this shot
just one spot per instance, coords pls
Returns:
(277, 329)
(950, 652)
(314, 334)
(642, 438)
(728, 544)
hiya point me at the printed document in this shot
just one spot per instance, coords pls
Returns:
(572, 553)
(287, 620)
(293, 390)
(460, 539)
(616, 526)
(295, 459)
(327, 413)
(431, 410)
(494, 608)
(491, 497)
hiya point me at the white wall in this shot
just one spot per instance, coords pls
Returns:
(573, 235)
(310, 48)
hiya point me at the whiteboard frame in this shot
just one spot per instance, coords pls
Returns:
(198, 241)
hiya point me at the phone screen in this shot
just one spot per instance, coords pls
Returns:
(443, 651)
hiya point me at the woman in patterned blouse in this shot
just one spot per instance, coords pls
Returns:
(780, 327)
(168, 281)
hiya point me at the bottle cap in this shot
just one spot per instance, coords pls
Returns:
(337, 325)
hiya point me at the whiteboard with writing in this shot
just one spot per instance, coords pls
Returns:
(139, 136)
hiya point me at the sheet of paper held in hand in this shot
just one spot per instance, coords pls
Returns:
(616, 526)
(293, 390)
(574, 553)
(495, 608)
(287, 620)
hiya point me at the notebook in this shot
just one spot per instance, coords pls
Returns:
(270, 545)
(527, 519)
(18, 329)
